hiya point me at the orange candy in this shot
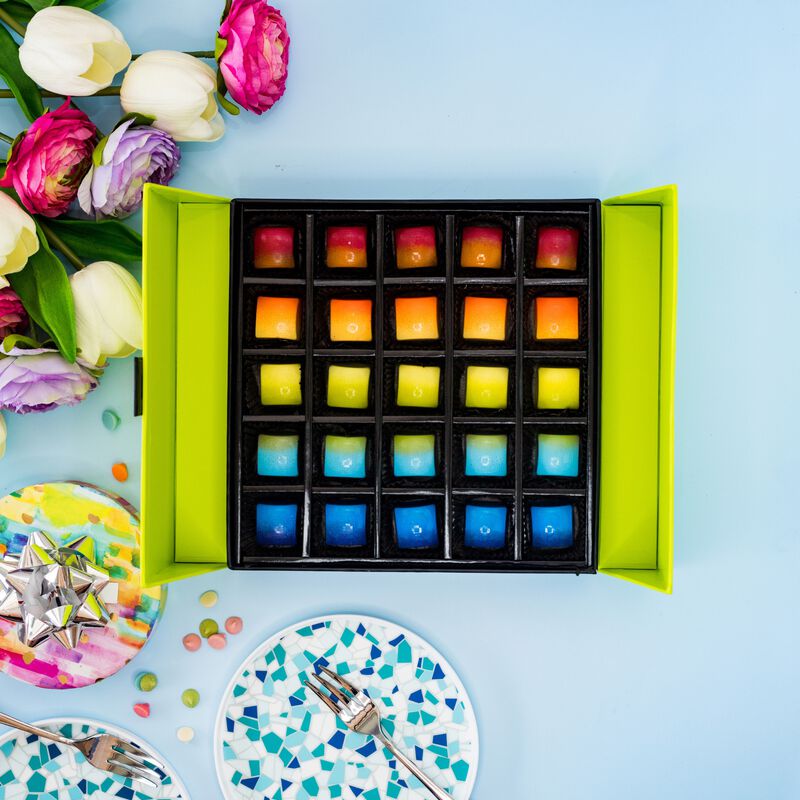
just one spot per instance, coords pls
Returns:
(416, 247)
(556, 317)
(120, 471)
(346, 247)
(485, 318)
(482, 246)
(277, 318)
(351, 320)
(416, 318)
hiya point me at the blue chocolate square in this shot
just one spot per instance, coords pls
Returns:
(416, 527)
(277, 456)
(557, 455)
(276, 525)
(552, 527)
(345, 525)
(345, 457)
(485, 527)
(486, 455)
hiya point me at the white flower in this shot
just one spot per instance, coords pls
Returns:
(18, 239)
(3, 436)
(108, 311)
(178, 91)
(70, 51)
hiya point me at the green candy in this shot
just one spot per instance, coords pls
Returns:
(190, 698)
(208, 627)
(146, 681)
(111, 419)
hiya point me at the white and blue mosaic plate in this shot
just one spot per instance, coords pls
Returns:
(34, 769)
(275, 741)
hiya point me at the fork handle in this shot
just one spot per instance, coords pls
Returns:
(26, 727)
(439, 794)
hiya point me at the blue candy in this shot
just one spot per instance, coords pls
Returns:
(276, 525)
(551, 527)
(416, 527)
(557, 455)
(486, 455)
(485, 527)
(277, 456)
(414, 456)
(345, 457)
(345, 526)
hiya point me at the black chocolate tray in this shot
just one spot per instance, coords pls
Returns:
(450, 490)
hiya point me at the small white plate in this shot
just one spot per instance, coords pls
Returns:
(273, 738)
(32, 767)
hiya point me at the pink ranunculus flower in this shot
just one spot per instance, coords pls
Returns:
(47, 163)
(256, 54)
(13, 317)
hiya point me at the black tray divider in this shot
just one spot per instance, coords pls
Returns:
(309, 386)
(593, 373)
(519, 503)
(448, 384)
(378, 378)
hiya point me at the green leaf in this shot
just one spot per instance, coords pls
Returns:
(229, 106)
(24, 89)
(19, 10)
(220, 45)
(89, 5)
(45, 292)
(108, 240)
(38, 5)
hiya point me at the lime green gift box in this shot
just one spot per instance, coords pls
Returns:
(185, 394)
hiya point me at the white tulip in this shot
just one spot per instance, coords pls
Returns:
(70, 51)
(108, 311)
(178, 91)
(3, 436)
(18, 239)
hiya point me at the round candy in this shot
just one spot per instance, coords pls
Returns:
(120, 471)
(217, 640)
(208, 627)
(209, 598)
(234, 625)
(146, 681)
(185, 734)
(190, 698)
(192, 642)
(110, 419)
(142, 709)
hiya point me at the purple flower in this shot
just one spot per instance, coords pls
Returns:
(39, 379)
(131, 156)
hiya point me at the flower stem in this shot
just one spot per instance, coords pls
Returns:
(12, 23)
(195, 53)
(56, 241)
(6, 138)
(109, 91)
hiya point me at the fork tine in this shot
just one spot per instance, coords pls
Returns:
(336, 692)
(133, 761)
(136, 768)
(129, 748)
(127, 772)
(325, 699)
(340, 680)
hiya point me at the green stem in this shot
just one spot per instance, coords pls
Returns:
(60, 245)
(12, 23)
(6, 138)
(195, 53)
(109, 91)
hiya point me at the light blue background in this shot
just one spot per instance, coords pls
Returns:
(584, 687)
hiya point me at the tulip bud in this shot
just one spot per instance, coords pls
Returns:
(70, 51)
(177, 90)
(108, 311)
(18, 239)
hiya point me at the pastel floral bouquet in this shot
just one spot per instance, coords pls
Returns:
(67, 300)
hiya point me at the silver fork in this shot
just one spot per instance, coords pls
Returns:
(103, 751)
(356, 709)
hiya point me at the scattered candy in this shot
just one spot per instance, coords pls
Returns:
(234, 625)
(208, 627)
(217, 640)
(120, 471)
(146, 681)
(190, 698)
(209, 599)
(111, 420)
(185, 734)
(192, 642)
(142, 709)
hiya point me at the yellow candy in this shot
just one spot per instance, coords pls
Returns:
(280, 385)
(418, 386)
(348, 387)
(559, 388)
(487, 387)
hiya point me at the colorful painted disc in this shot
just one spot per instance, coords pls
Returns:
(272, 734)
(33, 767)
(67, 510)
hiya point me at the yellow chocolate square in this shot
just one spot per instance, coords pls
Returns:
(559, 388)
(280, 385)
(418, 386)
(348, 387)
(487, 387)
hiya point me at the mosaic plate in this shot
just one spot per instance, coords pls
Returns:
(32, 768)
(275, 741)
(67, 510)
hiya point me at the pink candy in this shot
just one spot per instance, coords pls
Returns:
(234, 625)
(142, 709)
(217, 640)
(192, 642)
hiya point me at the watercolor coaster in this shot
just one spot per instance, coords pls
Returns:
(268, 720)
(276, 524)
(345, 457)
(487, 387)
(278, 318)
(485, 526)
(348, 387)
(557, 248)
(417, 386)
(416, 527)
(482, 246)
(559, 388)
(280, 385)
(273, 248)
(552, 527)
(557, 318)
(65, 511)
(416, 247)
(557, 455)
(345, 525)
(351, 320)
(346, 247)
(414, 455)
(485, 318)
(486, 455)
(416, 318)
(277, 456)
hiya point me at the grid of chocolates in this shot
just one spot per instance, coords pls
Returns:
(413, 386)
